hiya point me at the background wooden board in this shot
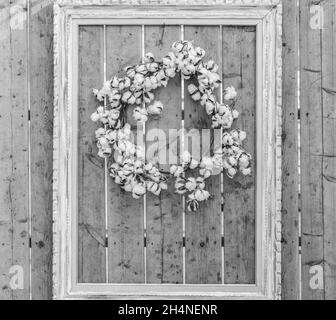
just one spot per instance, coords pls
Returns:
(203, 228)
(317, 60)
(41, 141)
(14, 221)
(125, 214)
(164, 213)
(91, 177)
(290, 213)
(239, 70)
(329, 147)
(311, 150)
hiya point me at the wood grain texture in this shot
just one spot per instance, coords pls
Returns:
(14, 234)
(170, 2)
(91, 185)
(41, 105)
(125, 214)
(203, 228)
(239, 70)
(329, 146)
(290, 211)
(311, 151)
(164, 213)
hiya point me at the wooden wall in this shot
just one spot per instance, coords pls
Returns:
(308, 206)
(145, 244)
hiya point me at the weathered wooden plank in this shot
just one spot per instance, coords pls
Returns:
(239, 70)
(164, 213)
(125, 214)
(14, 234)
(329, 146)
(41, 104)
(311, 151)
(290, 211)
(203, 228)
(91, 176)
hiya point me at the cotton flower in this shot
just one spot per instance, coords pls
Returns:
(230, 93)
(191, 184)
(186, 157)
(100, 115)
(202, 195)
(138, 79)
(193, 164)
(138, 191)
(176, 170)
(155, 108)
(180, 186)
(140, 114)
(246, 172)
(235, 114)
(231, 172)
(149, 57)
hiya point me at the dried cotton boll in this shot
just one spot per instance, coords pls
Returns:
(242, 135)
(138, 79)
(227, 140)
(100, 132)
(155, 108)
(209, 107)
(200, 183)
(202, 195)
(153, 67)
(192, 89)
(244, 161)
(115, 83)
(148, 166)
(177, 46)
(246, 172)
(191, 184)
(149, 57)
(235, 114)
(163, 186)
(207, 163)
(193, 164)
(95, 116)
(98, 94)
(138, 191)
(148, 97)
(233, 161)
(231, 172)
(180, 186)
(170, 72)
(205, 173)
(130, 71)
(186, 157)
(141, 69)
(230, 93)
(140, 114)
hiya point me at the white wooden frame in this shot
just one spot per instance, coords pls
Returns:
(266, 16)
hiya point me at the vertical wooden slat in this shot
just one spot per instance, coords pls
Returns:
(203, 228)
(329, 146)
(311, 150)
(239, 70)
(164, 213)
(290, 211)
(91, 186)
(14, 235)
(125, 214)
(41, 105)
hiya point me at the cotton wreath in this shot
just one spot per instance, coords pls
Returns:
(127, 164)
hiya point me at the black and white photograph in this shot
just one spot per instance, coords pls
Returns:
(167, 150)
